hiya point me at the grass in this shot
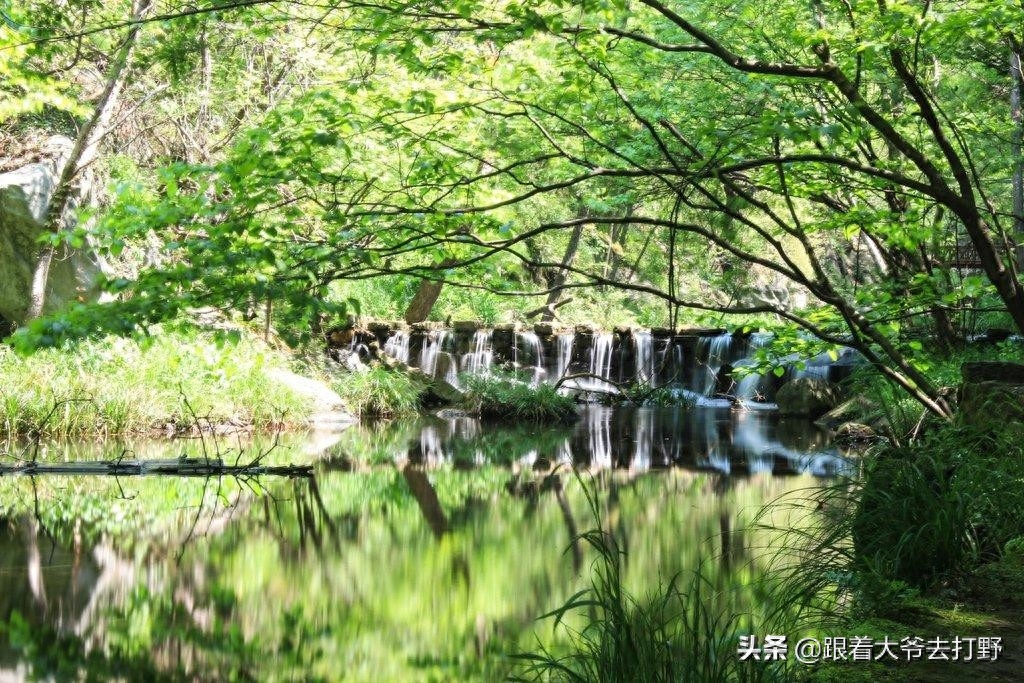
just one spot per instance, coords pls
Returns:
(508, 399)
(119, 386)
(379, 392)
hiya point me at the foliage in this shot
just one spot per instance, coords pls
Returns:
(524, 155)
(919, 518)
(509, 399)
(379, 392)
(121, 386)
(912, 524)
(644, 394)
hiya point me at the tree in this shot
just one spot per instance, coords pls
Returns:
(837, 147)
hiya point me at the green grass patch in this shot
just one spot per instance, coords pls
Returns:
(379, 392)
(506, 398)
(119, 386)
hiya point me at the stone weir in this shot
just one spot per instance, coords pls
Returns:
(701, 362)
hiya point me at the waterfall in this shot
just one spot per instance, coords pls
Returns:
(531, 356)
(432, 344)
(397, 346)
(668, 368)
(712, 353)
(643, 344)
(479, 360)
(753, 387)
(600, 363)
(563, 354)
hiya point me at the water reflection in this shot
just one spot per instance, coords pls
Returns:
(637, 439)
(420, 551)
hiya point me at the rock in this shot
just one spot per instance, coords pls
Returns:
(452, 413)
(857, 409)
(854, 433)
(24, 196)
(543, 329)
(465, 326)
(349, 360)
(807, 397)
(328, 411)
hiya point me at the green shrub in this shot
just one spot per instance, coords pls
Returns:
(379, 392)
(506, 398)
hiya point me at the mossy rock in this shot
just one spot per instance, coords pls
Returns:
(807, 397)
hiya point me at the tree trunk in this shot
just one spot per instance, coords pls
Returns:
(1017, 80)
(421, 305)
(557, 281)
(82, 154)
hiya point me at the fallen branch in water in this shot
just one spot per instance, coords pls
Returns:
(182, 467)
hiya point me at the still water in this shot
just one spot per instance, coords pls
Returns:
(420, 550)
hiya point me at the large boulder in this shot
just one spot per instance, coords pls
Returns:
(24, 197)
(327, 409)
(807, 397)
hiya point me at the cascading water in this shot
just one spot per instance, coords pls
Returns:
(753, 387)
(436, 345)
(712, 353)
(563, 354)
(643, 346)
(529, 355)
(397, 346)
(600, 364)
(479, 360)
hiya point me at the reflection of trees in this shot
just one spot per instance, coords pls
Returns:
(426, 498)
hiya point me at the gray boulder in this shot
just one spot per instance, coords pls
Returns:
(24, 196)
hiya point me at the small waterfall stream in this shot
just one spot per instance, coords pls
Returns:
(397, 346)
(478, 361)
(699, 365)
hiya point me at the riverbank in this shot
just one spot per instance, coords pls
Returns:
(177, 381)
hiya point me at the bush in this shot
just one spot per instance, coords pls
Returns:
(912, 525)
(379, 392)
(506, 398)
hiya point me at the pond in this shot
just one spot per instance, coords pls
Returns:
(420, 550)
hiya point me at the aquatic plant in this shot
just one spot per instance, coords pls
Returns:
(682, 631)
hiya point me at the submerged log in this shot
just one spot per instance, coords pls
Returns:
(181, 467)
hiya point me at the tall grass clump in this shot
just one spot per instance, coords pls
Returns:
(914, 520)
(120, 386)
(379, 392)
(506, 398)
(683, 631)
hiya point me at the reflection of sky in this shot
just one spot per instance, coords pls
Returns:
(718, 439)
